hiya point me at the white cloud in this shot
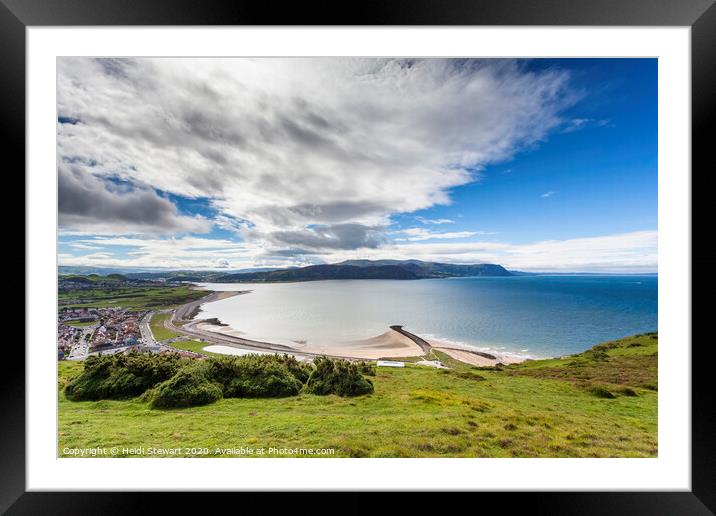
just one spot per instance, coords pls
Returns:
(624, 252)
(284, 145)
(418, 234)
(581, 123)
(547, 194)
(434, 221)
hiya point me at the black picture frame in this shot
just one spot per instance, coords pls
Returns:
(700, 15)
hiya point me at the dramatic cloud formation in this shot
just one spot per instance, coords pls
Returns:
(233, 163)
(87, 203)
(288, 144)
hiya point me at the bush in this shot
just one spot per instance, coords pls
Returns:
(366, 368)
(300, 370)
(339, 377)
(628, 391)
(122, 376)
(598, 355)
(257, 376)
(190, 387)
(167, 380)
(600, 392)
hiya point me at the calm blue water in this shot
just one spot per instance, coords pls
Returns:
(538, 316)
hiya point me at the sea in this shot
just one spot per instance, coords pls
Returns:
(532, 316)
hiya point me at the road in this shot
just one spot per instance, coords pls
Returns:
(80, 350)
(146, 331)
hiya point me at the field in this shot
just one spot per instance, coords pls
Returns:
(158, 330)
(601, 403)
(79, 324)
(196, 347)
(134, 298)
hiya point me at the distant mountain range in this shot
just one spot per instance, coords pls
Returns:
(154, 274)
(93, 278)
(349, 269)
(370, 269)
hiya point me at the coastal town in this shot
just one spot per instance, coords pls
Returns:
(83, 332)
(105, 315)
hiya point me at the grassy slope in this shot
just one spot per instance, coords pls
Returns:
(522, 411)
(158, 330)
(135, 298)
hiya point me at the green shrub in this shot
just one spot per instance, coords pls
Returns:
(300, 370)
(122, 375)
(598, 355)
(257, 376)
(627, 391)
(600, 392)
(190, 387)
(339, 377)
(167, 380)
(366, 368)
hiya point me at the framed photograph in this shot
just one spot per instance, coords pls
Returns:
(427, 248)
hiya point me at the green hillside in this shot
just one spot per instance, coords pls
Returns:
(133, 298)
(600, 403)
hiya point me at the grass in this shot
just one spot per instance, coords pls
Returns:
(195, 346)
(630, 362)
(78, 324)
(133, 298)
(158, 330)
(404, 359)
(537, 409)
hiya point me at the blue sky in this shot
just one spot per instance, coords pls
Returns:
(603, 176)
(547, 164)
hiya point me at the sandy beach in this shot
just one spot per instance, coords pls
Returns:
(390, 344)
(479, 360)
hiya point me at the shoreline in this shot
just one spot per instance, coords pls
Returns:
(394, 343)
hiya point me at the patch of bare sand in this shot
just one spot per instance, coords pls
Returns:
(217, 328)
(389, 344)
(218, 295)
(475, 359)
